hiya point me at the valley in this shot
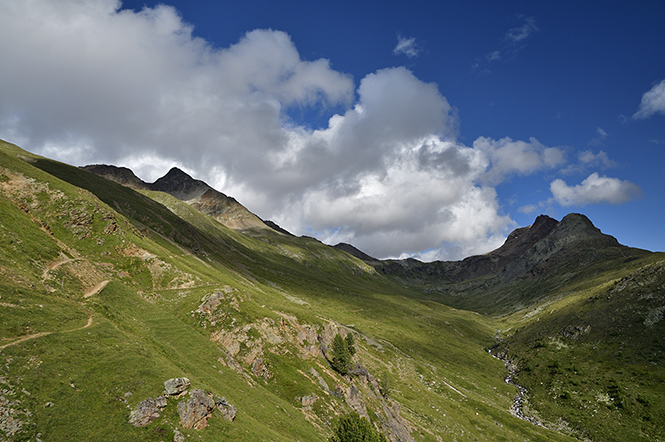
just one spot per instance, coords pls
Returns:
(110, 286)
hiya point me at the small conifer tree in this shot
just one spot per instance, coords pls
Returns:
(350, 344)
(340, 355)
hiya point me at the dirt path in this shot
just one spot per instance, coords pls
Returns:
(40, 334)
(96, 289)
(55, 264)
(25, 338)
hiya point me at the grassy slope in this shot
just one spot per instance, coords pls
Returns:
(161, 264)
(593, 360)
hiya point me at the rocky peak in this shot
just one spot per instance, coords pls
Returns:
(577, 228)
(521, 239)
(180, 185)
(194, 192)
(120, 175)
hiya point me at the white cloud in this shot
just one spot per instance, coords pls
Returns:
(85, 82)
(600, 137)
(513, 41)
(508, 157)
(523, 31)
(528, 209)
(588, 159)
(653, 102)
(595, 189)
(600, 159)
(406, 46)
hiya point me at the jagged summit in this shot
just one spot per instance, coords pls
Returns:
(195, 192)
(538, 248)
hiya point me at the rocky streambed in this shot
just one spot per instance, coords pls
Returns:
(517, 408)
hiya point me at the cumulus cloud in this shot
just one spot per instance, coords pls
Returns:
(87, 82)
(508, 157)
(595, 189)
(406, 46)
(588, 159)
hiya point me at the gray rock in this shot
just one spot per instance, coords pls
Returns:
(176, 385)
(146, 412)
(195, 411)
(308, 401)
(228, 411)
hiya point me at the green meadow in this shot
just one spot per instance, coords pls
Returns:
(106, 292)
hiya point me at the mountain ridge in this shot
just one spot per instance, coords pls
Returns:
(197, 193)
(573, 227)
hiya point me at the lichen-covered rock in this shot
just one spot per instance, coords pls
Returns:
(178, 436)
(308, 401)
(195, 411)
(147, 411)
(176, 385)
(259, 369)
(228, 411)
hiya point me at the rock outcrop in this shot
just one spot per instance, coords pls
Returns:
(176, 386)
(228, 411)
(147, 411)
(195, 411)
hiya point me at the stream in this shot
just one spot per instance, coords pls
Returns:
(516, 408)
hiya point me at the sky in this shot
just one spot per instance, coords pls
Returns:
(426, 129)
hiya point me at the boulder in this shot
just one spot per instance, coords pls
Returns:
(147, 411)
(228, 411)
(195, 411)
(176, 386)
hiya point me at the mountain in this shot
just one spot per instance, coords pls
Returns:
(128, 313)
(533, 261)
(198, 194)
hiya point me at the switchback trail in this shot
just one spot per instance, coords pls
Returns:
(40, 334)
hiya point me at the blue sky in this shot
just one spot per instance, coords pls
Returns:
(427, 129)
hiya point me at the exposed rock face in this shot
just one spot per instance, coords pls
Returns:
(259, 369)
(147, 411)
(195, 411)
(176, 385)
(397, 427)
